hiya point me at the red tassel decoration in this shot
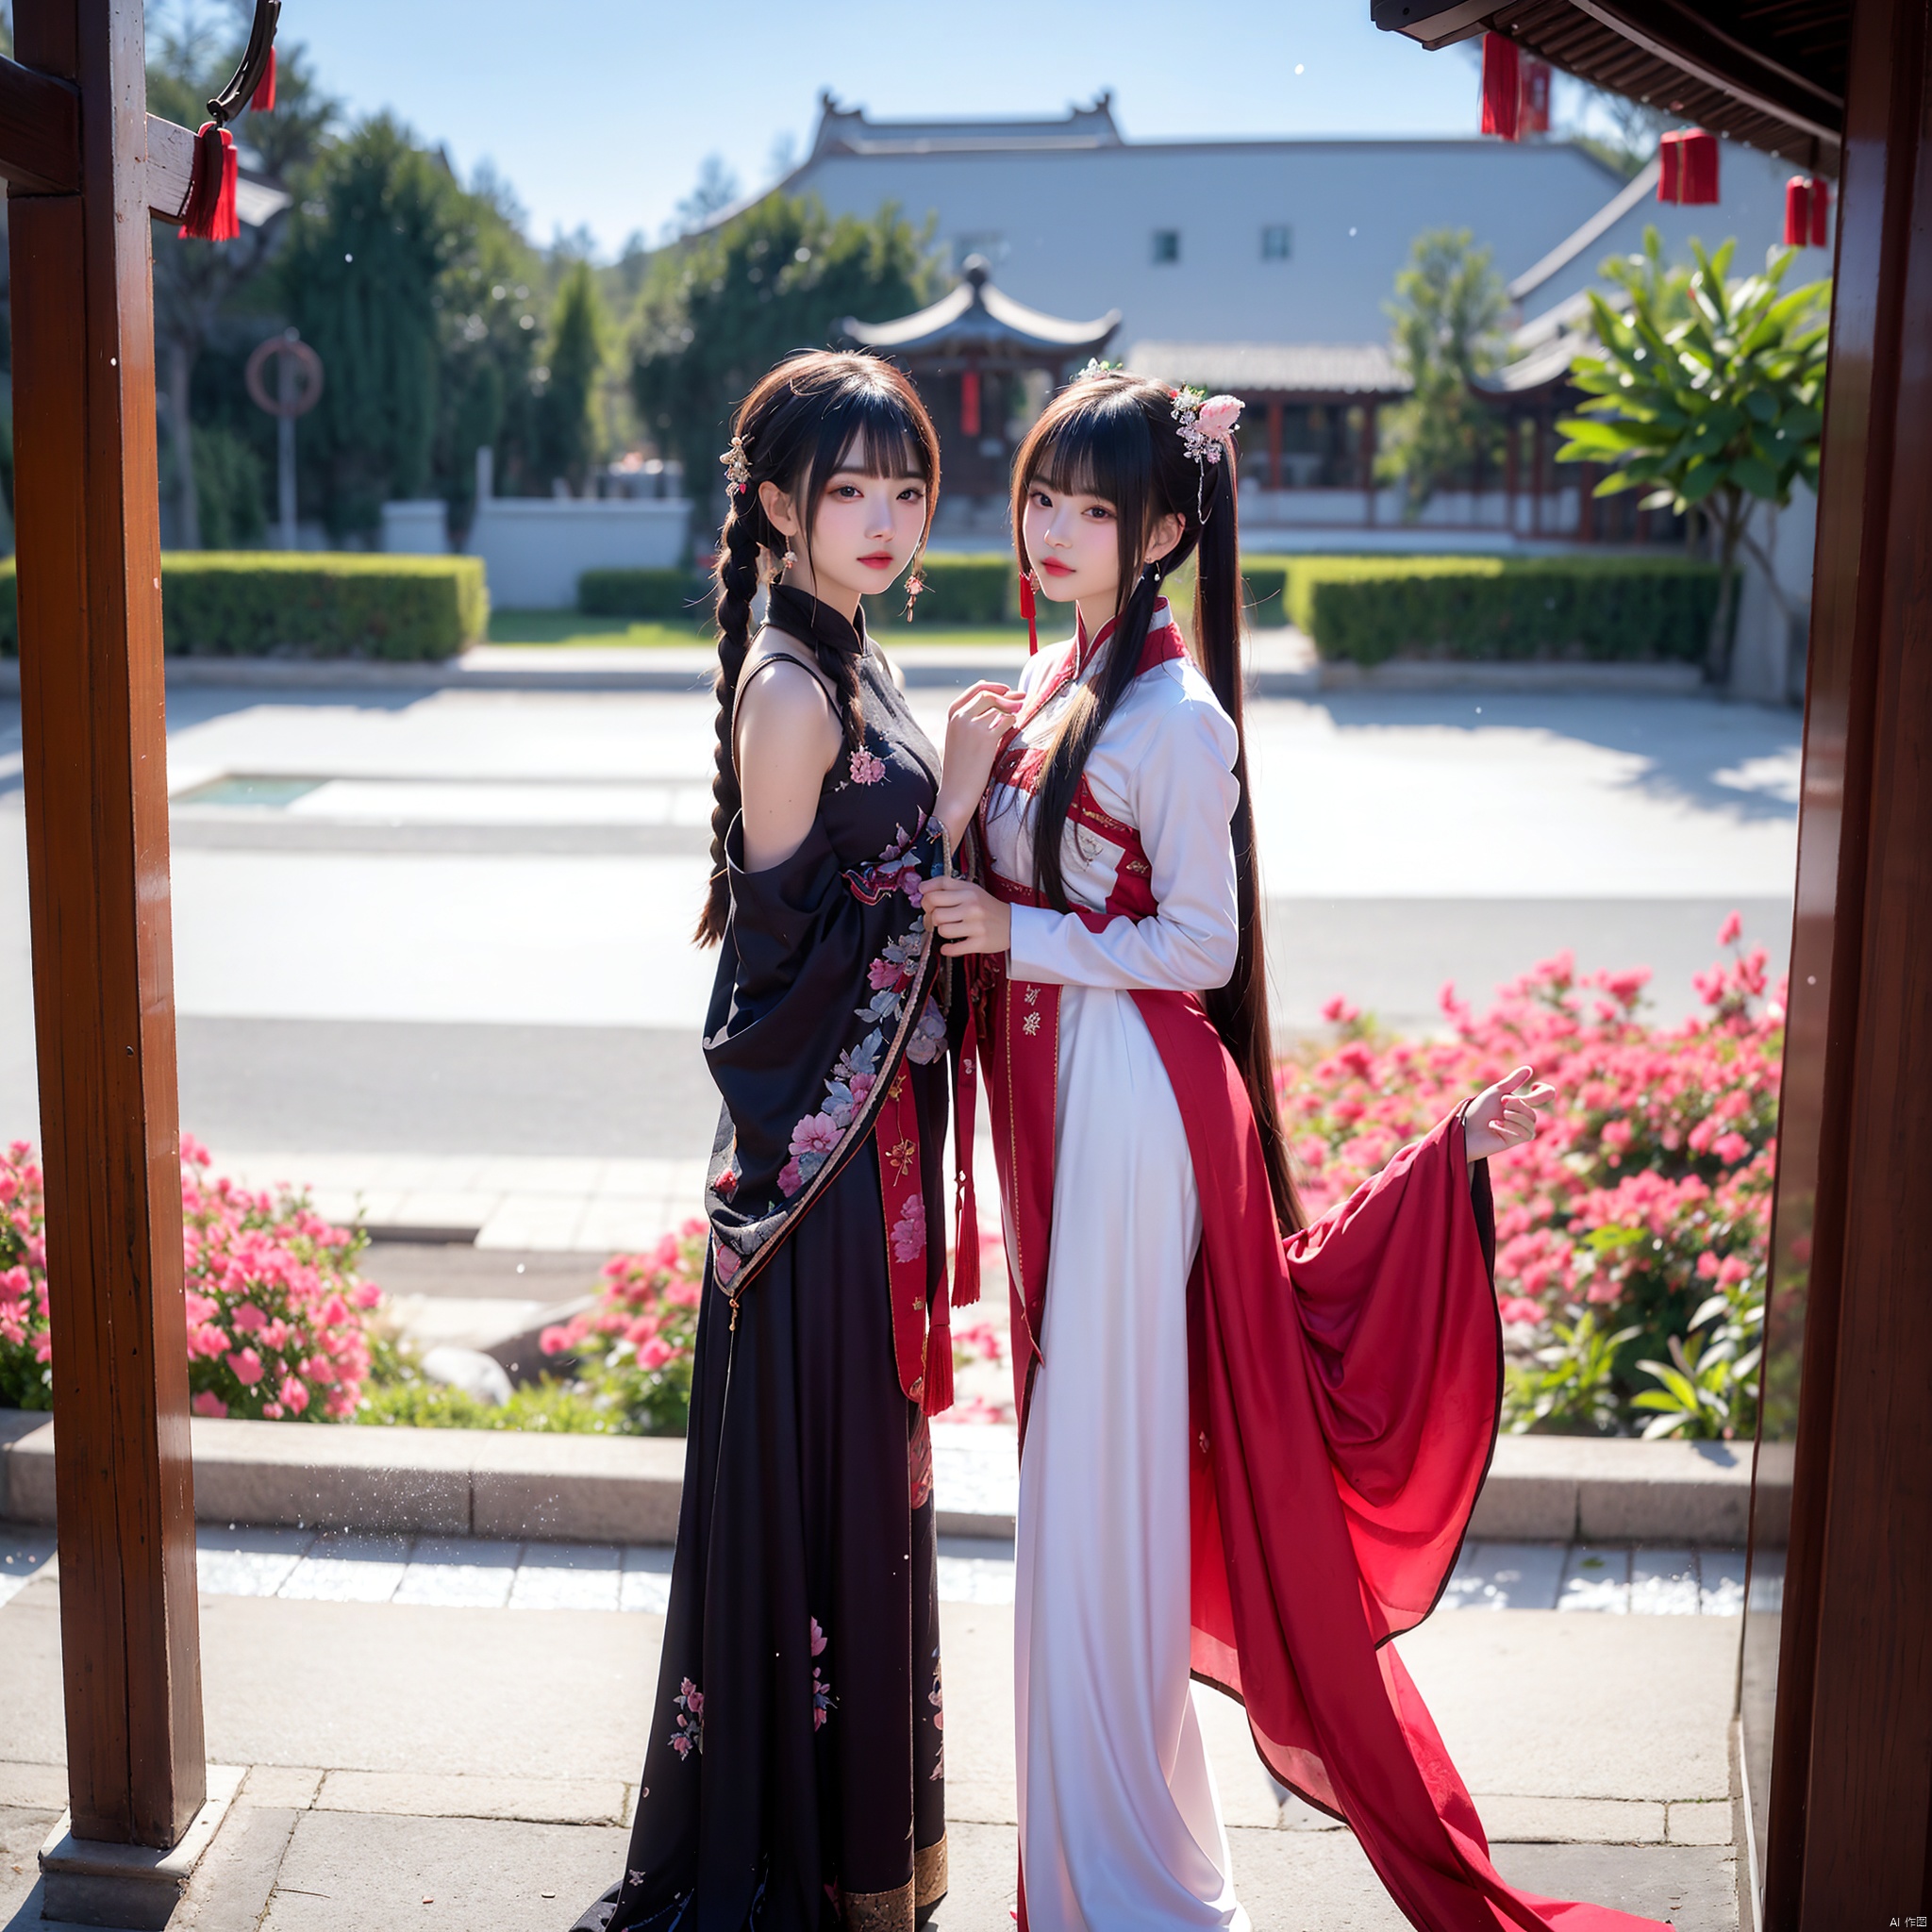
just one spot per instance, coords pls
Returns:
(1028, 609)
(969, 402)
(937, 1396)
(262, 101)
(1502, 86)
(1687, 168)
(209, 214)
(1820, 212)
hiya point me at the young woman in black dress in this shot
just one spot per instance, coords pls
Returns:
(794, 1775)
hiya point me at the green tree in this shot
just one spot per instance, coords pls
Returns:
(719, 309)
(362, 275)
(196, 283)
(1448, 316)
(566, 380)
(1707, 394)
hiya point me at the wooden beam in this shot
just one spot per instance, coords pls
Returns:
(1836, 1683)
(169, 162)
(96, 761)
(39, 131)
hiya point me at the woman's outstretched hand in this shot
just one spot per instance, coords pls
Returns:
(976, 726)
(971, 919)
(1504, 1116)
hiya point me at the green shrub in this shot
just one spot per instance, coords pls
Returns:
(253, 603)
(1367, 609)
(1265, 586)
(660, 594)
(250, 603)
(961, 592)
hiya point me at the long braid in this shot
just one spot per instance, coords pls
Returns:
(736, 578)
(814, 411)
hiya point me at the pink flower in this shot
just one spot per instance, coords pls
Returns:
(885, 973)
(819, 1638)
(726, 1185)
(655, 1353)
(727, 1264)
(208, 1402)
(365, 1294)
(909, 1231)
(1727, 933)
(248, 1319)
(247, 1367)
(865, 769)
(1218, 415)
(791, 1178)
(815, 1134)
(1730, 1148)
(293, 1395)
(1338, 1012)
(1520, 1308)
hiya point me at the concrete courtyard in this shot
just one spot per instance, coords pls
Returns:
(431, 958)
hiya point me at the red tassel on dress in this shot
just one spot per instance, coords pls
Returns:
(209, 214)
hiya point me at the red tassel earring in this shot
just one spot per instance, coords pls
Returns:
(1029, 610)
(262, 101)
(209, 214)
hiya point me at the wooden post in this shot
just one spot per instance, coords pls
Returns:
(1370, 406)
(1274, 445)
(95, 778)
(1838, 1689)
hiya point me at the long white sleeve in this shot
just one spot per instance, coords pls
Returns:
(1171, 767)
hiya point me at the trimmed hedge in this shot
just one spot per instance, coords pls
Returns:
(257, 603)
(1367, 609)
(961, 592)
(650, 593)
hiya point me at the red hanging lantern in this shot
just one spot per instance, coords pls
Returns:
(1533, 115)
(262, 101)
(209, 214)
(1686, 175)
(1797, 212)
(969, 402)
(1820, 212)
(1502, 86)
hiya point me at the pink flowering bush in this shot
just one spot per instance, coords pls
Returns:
(634, 1347)
(1631, 1235)
(278, 1318)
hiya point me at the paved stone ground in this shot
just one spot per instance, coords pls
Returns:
(483, 1759)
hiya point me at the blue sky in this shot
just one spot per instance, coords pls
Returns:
(598, 113)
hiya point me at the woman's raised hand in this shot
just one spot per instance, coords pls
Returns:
(1504, 1116)
(976, 726)
(968, 918)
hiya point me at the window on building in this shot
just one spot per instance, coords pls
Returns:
(1167, 244)
(1277, 242)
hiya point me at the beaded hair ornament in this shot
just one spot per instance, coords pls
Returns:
(737, 465)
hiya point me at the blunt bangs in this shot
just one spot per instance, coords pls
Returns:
(869, 432)
(1097, 445)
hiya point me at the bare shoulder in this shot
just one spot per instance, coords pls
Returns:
(784, 712)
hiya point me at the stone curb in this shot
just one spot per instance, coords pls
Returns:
(944, 669)
(516, 1484)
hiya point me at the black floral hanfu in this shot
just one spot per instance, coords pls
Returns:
(793, 1777)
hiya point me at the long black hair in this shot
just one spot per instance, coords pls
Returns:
(1114, 436)
(816, 413)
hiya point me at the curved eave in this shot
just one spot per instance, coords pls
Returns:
(992, 324)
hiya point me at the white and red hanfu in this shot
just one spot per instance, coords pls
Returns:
(1245, 1458)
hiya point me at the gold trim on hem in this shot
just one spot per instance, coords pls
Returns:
(879, 1911)
(928, 1875)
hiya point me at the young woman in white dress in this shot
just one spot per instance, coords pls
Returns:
(1123, 1037)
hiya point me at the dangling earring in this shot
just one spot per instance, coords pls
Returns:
(915, 585)
(1028, 607)
(788, 561)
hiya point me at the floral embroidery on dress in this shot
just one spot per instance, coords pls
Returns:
(726, 1262)
(816, 1135)
(909, 1231)
(865, 769)
(928, 1041)
(1032, 1023)
(821, 1698)
(936, 1697)
(896, 868)
(690, 1733)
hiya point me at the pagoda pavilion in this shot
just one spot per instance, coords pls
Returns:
(984, 363)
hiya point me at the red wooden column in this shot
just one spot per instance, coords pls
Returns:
(97, 857)
(1844, 1832)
